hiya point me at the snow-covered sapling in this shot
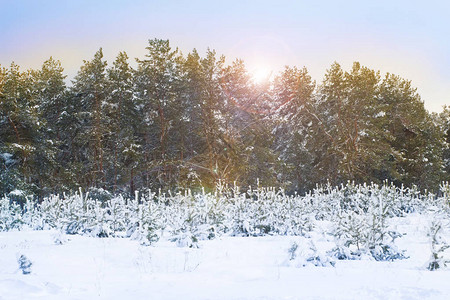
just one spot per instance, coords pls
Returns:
(438, 246)
(24, 264)
(305, 253)
(59, 238)
(292, 251)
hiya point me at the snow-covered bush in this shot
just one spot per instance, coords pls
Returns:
(359, 215)
(267, 211)
(304, 253)
(24, 264)
(445, 191)
(10, 215)
(146, 221)
(438, 245)
(349, 234)
(99, 194)
(361, 227)
(59, 238)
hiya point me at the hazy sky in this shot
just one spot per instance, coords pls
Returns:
(408, 38)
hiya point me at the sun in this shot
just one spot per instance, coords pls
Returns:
(261, 74)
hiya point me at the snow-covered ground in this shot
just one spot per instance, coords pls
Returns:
(224, 268)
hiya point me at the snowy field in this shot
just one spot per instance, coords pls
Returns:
(227, 267)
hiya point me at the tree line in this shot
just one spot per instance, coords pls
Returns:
(185, 121)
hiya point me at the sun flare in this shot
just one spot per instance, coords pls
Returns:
(261, 74)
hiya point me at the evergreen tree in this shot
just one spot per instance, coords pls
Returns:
(296, 127)
(443, 121)
(50, 90)
(20, 130)
(212, 121)
(89, 95)
(377, 129)
(348, 107)
(157, 90)
(191, 139)
(121, 139)
(247, 137)
(204, 103)
(416, 141)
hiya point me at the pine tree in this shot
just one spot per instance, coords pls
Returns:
(191, 140)
(157, 81)
(121, 140)
(247, 137)
(349, 108)
(212, 122)
(416, 141)
(89, 93)
(20, 130)
(296, 126)
(50, 90)
(443, 121)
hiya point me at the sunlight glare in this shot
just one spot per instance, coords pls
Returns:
(261, 74)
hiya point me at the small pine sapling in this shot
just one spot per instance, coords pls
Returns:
(24, 264)
(292, 251)
(59, 238)
(306, 253)
(438, 246)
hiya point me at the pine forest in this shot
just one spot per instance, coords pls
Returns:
(179, 121)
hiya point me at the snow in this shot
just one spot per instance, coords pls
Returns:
(84, 267)
(380, 114)
(17, 192)
(7, 157)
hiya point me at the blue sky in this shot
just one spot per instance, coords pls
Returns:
(408, 38)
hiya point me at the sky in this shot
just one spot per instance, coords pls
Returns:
(407, 38)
